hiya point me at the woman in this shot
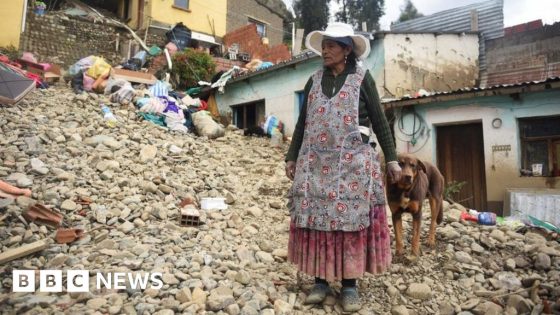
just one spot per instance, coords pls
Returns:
(339, 227)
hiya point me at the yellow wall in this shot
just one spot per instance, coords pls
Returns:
(11, 16)
(202, 14)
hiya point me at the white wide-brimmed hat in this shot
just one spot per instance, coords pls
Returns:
(361, 44)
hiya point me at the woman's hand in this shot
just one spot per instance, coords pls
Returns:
(394, 171)
(290, 169)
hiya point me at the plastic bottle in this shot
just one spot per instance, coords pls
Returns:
(487, 218)
(484, 218)
(108, 116)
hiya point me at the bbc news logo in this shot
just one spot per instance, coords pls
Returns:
(79, 280)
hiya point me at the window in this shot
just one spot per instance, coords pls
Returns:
(540, 144)
(261, 27)
(181, 4)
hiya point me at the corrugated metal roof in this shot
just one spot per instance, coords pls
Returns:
(490, 20)
(490, 23)
(470, 90)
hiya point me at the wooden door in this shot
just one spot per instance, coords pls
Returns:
(460, 153)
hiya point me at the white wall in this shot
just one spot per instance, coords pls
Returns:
(277, 88)
(432, 62)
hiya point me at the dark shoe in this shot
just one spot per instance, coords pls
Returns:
(318, 293)
(350, 299)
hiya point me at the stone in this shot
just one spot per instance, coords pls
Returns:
(126, 227)
(543, 262)
(445, 308)
(243, 277)
(448, 232)
(264, 257)
(184, 295)
(255, 211)
(148, 153)
(220, 298)
(519, 303)
(282, 308)
(463, 257)
(498, 236)
(38, 166)
(96, 303)
(399, 310)
(199, 296)
(419, 291)
(68, 205)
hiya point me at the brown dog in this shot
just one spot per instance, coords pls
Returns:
(418, 181)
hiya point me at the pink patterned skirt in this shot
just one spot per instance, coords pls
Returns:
(341, 255)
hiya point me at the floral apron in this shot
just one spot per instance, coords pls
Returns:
(338, 177)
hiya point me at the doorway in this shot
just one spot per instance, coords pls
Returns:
(248, 115)
(460, 155)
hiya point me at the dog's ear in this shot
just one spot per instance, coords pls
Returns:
(422, 166)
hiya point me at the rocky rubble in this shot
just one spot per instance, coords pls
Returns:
(133, 178)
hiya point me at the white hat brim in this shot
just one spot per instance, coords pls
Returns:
(314, 40)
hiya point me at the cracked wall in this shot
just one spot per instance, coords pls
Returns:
(433, 62)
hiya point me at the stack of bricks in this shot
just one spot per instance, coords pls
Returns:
(250, 42)
(64, 40)
(223, 64)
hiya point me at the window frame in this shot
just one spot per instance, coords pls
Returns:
(551, 142)
(179, 6)
(257, 23)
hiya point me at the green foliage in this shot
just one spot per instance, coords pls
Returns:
(191, 66)
(11, 51)
(451, 189)
(40, 5)
(355, 12)
(311, 15)
(409, 12)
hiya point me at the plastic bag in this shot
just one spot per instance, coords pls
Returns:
(206, 126)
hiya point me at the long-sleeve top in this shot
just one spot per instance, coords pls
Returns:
(369, 111)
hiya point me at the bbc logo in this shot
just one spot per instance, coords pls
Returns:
(78, 280)
(50, 281)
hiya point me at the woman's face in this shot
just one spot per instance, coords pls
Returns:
(333, 53)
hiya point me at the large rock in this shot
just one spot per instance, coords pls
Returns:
(419, 291)
(220, 298)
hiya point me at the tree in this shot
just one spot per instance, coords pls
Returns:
(342, 15)
(409, 12)
(355, 12)
(311, 14)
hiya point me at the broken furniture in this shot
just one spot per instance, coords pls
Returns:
(65, 236)
(48, 73)
(15, 253)
(38, 213)
(133, 76)
(13, 86)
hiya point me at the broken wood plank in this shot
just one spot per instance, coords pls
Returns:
(134, 76)
(27, 249)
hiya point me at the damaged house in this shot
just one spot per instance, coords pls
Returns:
(396, 68)
(502, 140)
(69, 31)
